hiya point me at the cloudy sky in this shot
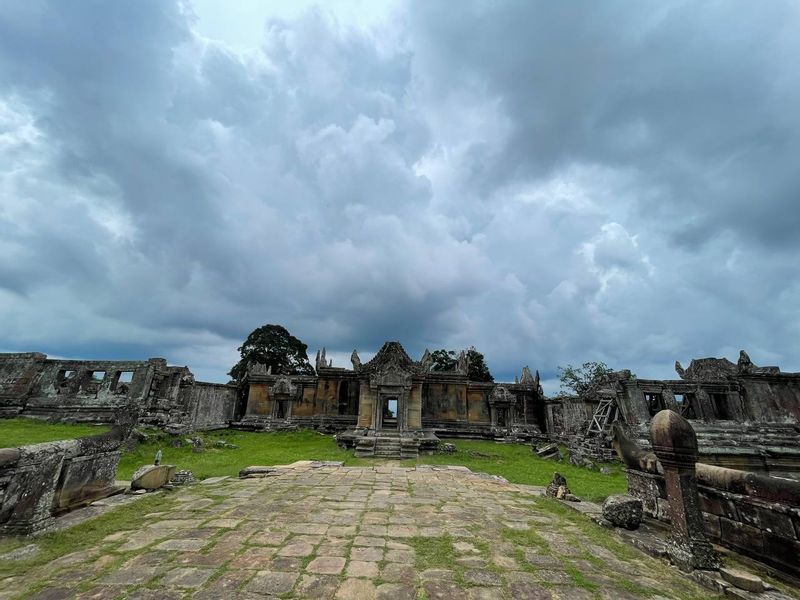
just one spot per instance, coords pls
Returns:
(551, 182)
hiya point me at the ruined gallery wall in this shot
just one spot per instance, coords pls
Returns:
(93, 390)
(445, 401)
(17, 374)
(567, 416)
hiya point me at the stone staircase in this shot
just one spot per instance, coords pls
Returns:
(387, 447)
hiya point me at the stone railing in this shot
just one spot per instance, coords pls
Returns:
(753, 514)
(40, 481)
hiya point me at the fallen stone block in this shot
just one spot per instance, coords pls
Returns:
(152, 477)
(743, 580)
(623, 511)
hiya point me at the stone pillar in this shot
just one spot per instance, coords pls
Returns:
(675, 444)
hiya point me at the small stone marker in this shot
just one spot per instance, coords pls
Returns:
(623, 511)
(152, 477)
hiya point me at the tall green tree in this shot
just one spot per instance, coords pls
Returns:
(478, 369)
(443, 360)
(446, 360)
(582, 380)
(272, 346)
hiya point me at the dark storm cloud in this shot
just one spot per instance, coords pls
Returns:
(551, 183)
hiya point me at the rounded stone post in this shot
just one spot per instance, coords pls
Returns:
(675, 444)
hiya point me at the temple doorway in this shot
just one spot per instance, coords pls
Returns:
(389, 417)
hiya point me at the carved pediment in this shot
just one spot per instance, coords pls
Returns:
(391, 355)
(283, 386)
(501, 395)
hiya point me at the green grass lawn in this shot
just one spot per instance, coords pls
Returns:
(515, 462)
(22, 431)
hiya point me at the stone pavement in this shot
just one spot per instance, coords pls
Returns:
(359, 532)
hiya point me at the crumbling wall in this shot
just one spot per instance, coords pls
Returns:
(18, 372)
(567, 417)
(94, 390)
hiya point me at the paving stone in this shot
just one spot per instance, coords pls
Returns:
(356, 589)
(367, 554)
(187, 577)
(272, 583)
(434, 574)
(482, 577)
(520, 590)
(147, 594)
(296, 549)
(360, 568)
(485, 593)
(396, 572)
(224, 586)
(134, 575)
(56, 593)
(317, 586)
(285, 563)
(269, 538)
(187, 545)
(443, 590)
(362, 540)
(326, 565)
(401, 556)
(224, 523)
(395, 591)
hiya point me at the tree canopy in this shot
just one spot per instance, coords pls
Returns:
(272, 346)
(446, 360)
(583, 379)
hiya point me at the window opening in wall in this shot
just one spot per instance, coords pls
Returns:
(720, 403)
(97, 376)
(687, 405)
(655, 403)
(125, 377)
(65, 376)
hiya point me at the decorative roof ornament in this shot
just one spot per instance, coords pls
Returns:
(527, 376)
(426, 362)
(354, 358)
(462, 363)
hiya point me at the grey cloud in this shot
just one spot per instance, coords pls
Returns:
(550, 184)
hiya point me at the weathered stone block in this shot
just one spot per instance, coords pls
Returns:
(716, 504)
(712, 525)
(623, 511)
(152, 477)
(741, 536)
(742, 580)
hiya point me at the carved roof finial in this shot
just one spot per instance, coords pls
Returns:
(354, 358)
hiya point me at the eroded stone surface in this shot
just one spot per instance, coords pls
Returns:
(354, 532)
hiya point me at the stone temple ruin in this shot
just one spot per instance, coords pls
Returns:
(745, 416)
(701, 451)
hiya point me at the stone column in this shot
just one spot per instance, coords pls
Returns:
(675, 444)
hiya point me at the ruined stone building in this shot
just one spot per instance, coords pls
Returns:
(393, 405)
(92, 391)
(746, 417)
